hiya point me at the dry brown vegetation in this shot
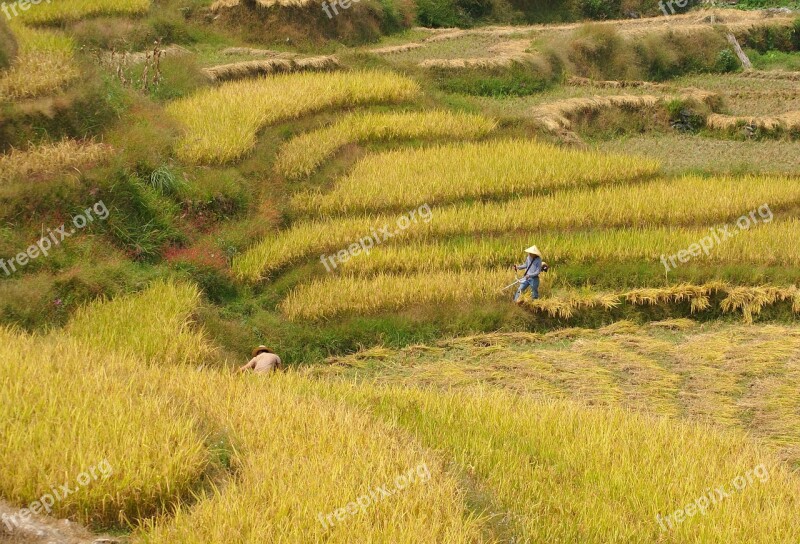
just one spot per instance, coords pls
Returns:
(784, 122)
(503, 54)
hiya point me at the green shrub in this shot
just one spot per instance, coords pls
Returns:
(452, 13)
(600, 9)
(180, 77)
(475, 9)
(440, 13)
(727, 61)
(796, 35)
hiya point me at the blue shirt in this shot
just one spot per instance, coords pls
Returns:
(533, 265)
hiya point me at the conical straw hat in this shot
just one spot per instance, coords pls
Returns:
(533, 250)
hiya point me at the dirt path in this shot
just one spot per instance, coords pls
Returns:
(15, 529)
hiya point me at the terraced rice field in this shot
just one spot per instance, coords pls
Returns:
(225, 453)
(642, 205)
(222, 123)
(485, 170)
(362, 223)
(57, 11)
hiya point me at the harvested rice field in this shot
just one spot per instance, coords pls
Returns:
(399, 272)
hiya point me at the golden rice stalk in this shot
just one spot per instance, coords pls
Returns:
(303, 154)
(564, 307)
(554, 307)
(93, 406)
(749, 300)
(647, 296)
(48, 159)
(411, 177)
(258, 68)
(700, 303)
(339, 295)
(222, 123)
(647, 205)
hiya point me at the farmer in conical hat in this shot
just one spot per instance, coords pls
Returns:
(532, 268)
(264, 361)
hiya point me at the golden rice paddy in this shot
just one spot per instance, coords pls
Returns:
(680, 202)
(772, 243)
(303, 154)
(406, 178)
(575, 435)
(221, 123)
(44, 64)
(188, 438)
(49, 159)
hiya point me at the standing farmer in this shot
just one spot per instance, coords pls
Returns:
(530, 278)
(263, 361)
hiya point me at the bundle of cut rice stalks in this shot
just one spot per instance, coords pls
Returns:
(751, 300)
(745, 299)
(565, 307)
(784, 121)
(257, 68)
